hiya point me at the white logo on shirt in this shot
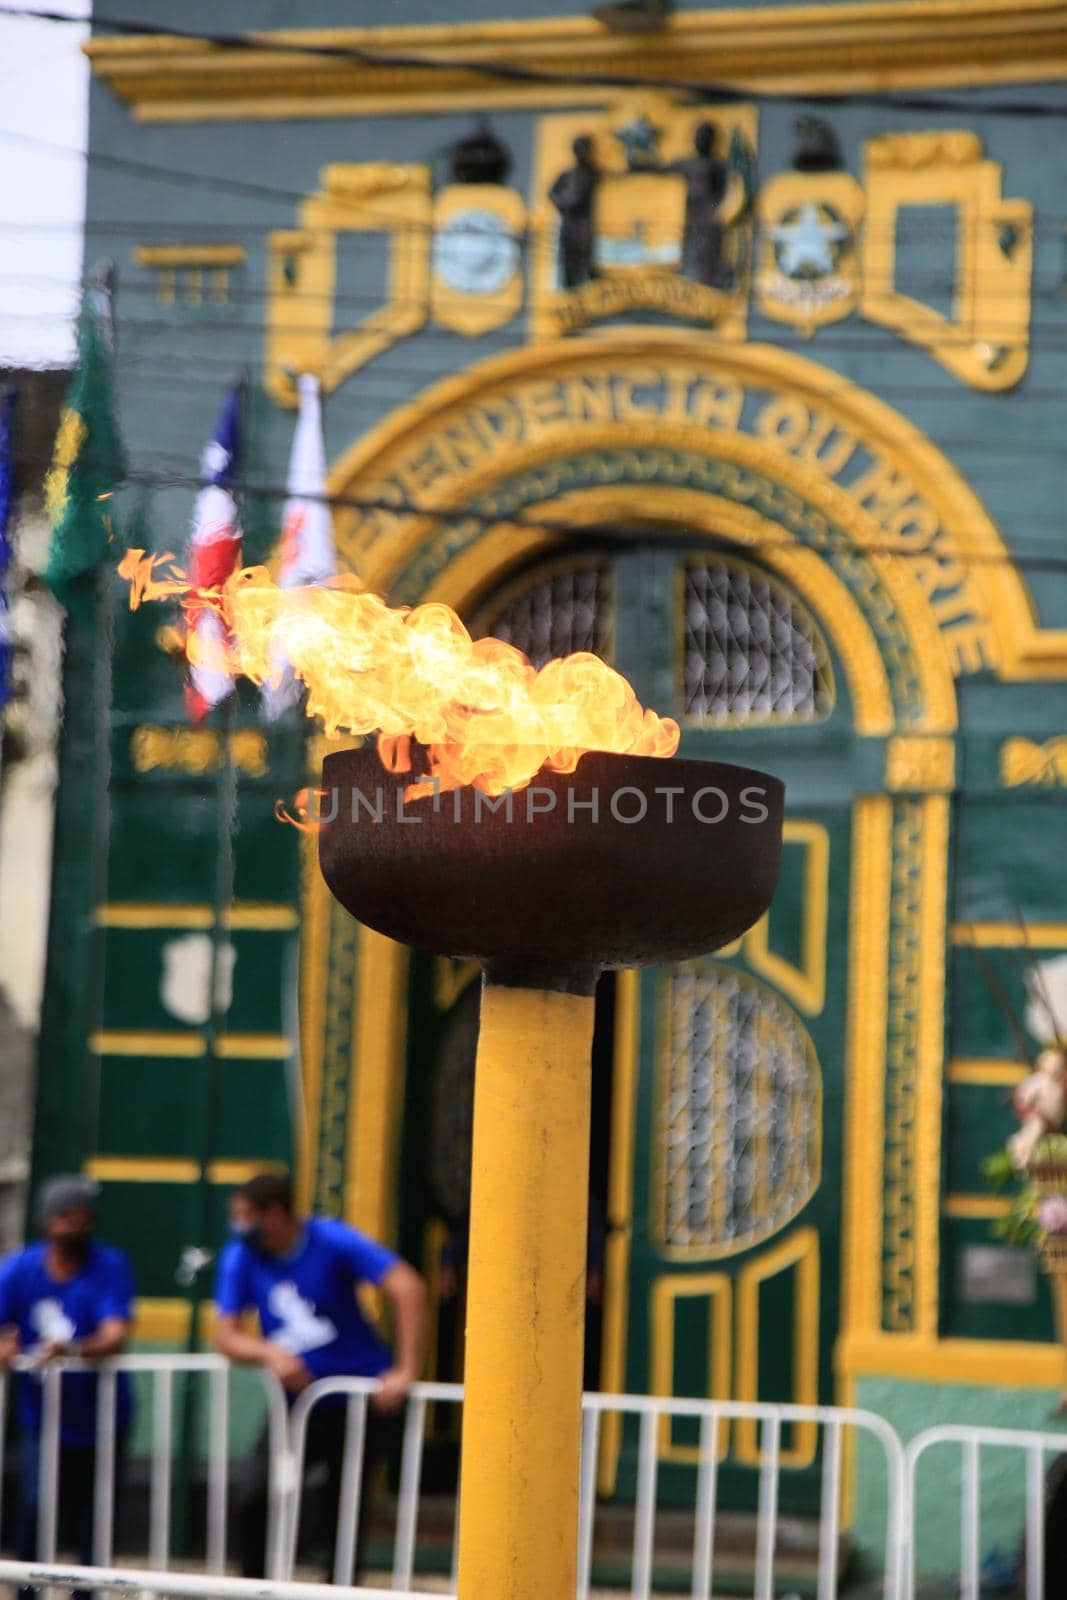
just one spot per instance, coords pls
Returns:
(51, 1322)
(301, 1328)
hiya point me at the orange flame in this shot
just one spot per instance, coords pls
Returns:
(481, 712)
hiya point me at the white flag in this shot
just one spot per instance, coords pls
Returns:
(214, 553)
(307, 552)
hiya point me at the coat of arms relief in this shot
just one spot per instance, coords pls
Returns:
(646, 208)
(652, 211)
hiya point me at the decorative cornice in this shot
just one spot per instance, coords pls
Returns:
(856, 46)
(189, 255)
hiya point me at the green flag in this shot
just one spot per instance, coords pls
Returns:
(87, 465)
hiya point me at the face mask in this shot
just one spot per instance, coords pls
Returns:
(249, 1233)
(74, 1244)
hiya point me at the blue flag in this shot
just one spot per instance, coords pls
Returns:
(221, 456)
(7, 506)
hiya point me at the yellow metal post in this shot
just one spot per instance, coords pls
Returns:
(526, 1296)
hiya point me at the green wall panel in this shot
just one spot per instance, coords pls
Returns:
(154, 1222)
(149, 1107)
(1009, 857)
(980, 1119)
(966, 1321)
(254, 1111)
(913, 1407)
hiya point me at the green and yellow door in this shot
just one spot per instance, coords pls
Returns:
(719, 1084)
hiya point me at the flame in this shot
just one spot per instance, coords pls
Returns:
(459, 710)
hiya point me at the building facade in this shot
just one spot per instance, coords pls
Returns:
(763, 405)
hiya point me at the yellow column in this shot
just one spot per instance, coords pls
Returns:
(1059, 1306)
(526, 1297)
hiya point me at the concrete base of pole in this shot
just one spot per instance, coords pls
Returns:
(526, 1296)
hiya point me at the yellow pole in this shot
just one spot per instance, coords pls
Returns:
(1058, 1275)
(526, 1296)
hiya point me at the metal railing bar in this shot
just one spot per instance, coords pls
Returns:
(351, 1490)
(704, 1525)
(830, 1512)
(104, 1464)
(1035, 1523)
(407, 1514)
(767, 1514)
(645, 1509)
(218, 1466)
(159, 1487)
(191, 1585)
(48, 1473)
(280, 1478)
(587, 1500)
(969, 1522)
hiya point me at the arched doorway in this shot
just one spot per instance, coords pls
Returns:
(717, 1132)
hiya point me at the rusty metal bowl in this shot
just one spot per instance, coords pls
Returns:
(598, 868)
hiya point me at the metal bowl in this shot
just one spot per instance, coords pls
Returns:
(628, 861)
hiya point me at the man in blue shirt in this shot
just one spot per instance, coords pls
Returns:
(66, 1295)
(301, 1277)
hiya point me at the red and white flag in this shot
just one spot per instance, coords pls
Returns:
(307, 549)
(214, 553)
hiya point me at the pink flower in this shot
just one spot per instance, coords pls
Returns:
(1052, 1214)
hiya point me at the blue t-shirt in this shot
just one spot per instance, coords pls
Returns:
(307, 1300)
(43, 1309)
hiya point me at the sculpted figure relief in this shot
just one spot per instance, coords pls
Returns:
(573, 194)
(705, 185)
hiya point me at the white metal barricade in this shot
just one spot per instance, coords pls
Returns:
(357, 1393)
(1034, 1449)
(162, 1370)
(650, 1413)
(647, 1416)
(833, 1423)
(185, 1585)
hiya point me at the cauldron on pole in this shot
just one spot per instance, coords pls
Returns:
(627, 861)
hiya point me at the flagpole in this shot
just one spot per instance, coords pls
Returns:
(218, 1006)
(101, 292)
(222, 900)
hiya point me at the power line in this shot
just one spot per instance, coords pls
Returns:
(237, 294)
(199, 315)
(564, 527)
(385, 388)
(388, 389)
(526, 238)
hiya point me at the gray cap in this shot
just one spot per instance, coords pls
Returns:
(65, 1192)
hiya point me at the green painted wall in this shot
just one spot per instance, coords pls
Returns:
(911, 1408)
(238, 181)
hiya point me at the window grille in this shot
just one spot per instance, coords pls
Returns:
(565, 611)
(740, 1115)
(752, 653)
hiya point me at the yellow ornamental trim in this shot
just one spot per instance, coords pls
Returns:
(196, 750)
(69, 440)
(915, 763)
(909, 152)
(1025, 761)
